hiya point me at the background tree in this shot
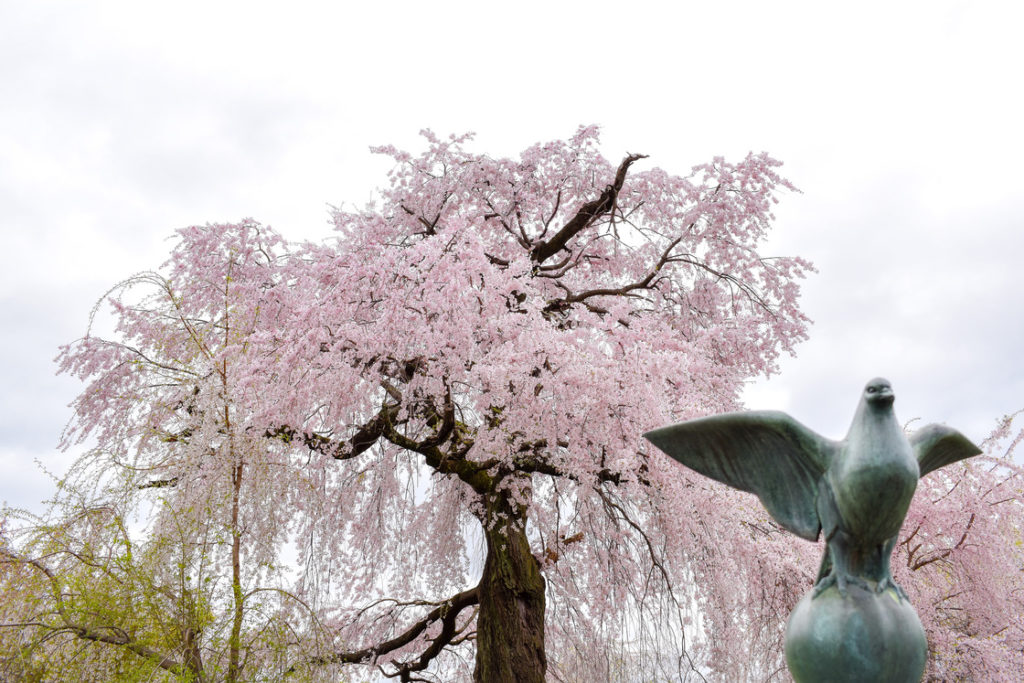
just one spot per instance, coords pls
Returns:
(162, 554)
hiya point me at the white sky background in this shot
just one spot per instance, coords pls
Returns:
(900, 121)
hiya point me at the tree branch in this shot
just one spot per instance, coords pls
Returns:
(531, 460)
(452, 462)
(948, 551)
(431, 226)
(158, 483)
(587, 214)
(127, 643)
(361, 441)
(446, 612)
(117, 636)
(624, 290)
(447, 426)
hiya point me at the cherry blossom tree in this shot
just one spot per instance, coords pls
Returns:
(416, 446)
(500, 332)
(961, 557)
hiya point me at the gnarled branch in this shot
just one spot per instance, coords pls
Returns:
(587, 214)
(446, 612)
(361, 441)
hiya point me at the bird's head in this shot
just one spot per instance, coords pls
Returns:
(878, 392)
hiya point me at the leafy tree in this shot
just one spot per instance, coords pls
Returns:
(415, 447)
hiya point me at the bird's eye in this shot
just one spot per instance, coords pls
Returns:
(872, 390)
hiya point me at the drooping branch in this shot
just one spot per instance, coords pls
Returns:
(446, 612)
(656, 559)
(587, 214)
(111, 635)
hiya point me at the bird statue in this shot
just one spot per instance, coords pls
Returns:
(857, 491)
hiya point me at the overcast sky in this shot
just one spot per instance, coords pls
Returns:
(901, 122)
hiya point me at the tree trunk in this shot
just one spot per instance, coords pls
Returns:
(510, 626)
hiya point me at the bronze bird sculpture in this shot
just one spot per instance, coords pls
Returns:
(856, 490)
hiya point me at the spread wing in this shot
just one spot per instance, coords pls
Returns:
(765, 452)
(937, 446)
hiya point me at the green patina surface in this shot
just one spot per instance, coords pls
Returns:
(856, 623)
(864, 636)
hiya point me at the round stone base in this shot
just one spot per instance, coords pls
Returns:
(863, 637)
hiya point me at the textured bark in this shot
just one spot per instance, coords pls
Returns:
(510, 627)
